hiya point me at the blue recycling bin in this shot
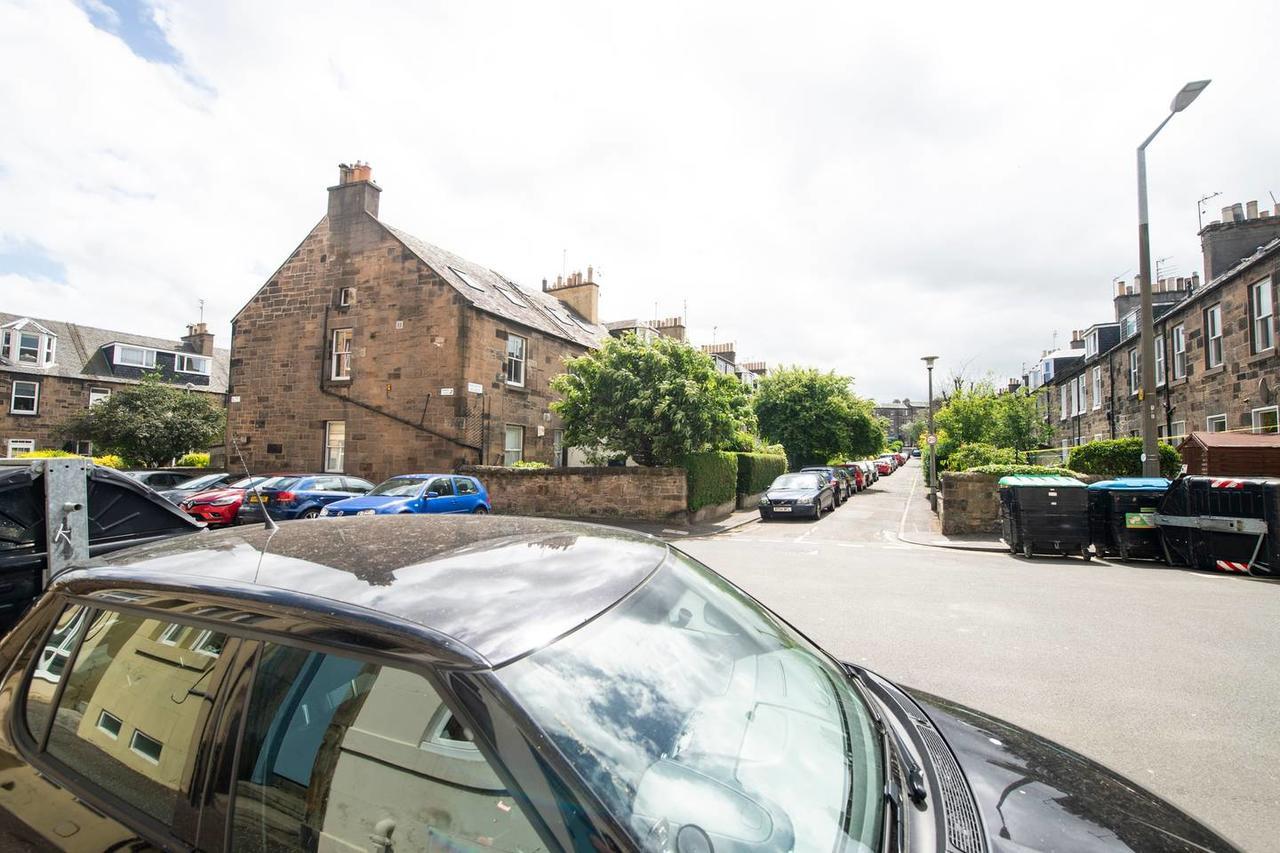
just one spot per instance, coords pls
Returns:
(1122, 517)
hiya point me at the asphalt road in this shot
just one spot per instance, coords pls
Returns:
(1169, 676)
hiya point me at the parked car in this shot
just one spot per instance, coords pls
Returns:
(873, 473)
(158, 480)
(856, 473)
(420, 493)
(891, 459)
(196, 485)
(298, 496)
(883, 467)
(915, 453)
(218, 507)
(901, 457)
(568, 687)
(838, 483)
(803, 493)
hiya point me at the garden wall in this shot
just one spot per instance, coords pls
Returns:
(658, 494)
(971, 502)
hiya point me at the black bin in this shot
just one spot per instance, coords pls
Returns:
(122, 512)
(1226, 524)
(1122, 517)
(1044, 515)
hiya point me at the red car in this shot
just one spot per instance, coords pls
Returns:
(902, 458)
(855, 471)
(218, 507)
(884, 466)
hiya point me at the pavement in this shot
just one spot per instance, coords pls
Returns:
(677, 532)
(1168, 676)
(921, 526)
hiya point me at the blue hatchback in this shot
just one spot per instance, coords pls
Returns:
(417, 493)
(299, 496)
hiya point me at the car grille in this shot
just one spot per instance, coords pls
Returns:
(963, 832)
(782, 502)
(336, 512)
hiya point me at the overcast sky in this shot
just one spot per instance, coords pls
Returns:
(846, 185)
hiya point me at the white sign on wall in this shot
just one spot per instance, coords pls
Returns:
(475, 387)
(446, 392)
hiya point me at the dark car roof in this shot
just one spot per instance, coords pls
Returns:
(501, 586)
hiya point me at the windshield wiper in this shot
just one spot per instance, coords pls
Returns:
(913, 775)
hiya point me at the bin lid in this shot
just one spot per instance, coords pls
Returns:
(1043, 480)
(1147, 484)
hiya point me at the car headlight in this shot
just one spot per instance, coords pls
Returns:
(804, 501)
(224, 502)
(764, 501)
(366, 512)
(324, 511)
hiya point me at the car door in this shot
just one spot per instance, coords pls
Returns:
(468, 494)
(357, 486)
(325, 490)
(446, 499)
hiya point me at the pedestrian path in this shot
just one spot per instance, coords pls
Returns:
(919, 525)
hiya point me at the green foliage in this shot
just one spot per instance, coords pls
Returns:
(151, 423)
(757, 470)
(1010, 470)
(978, 415)
(45, 454)
(713, 477)
(109, 460)
(774, 450)
(968, 456)
(915, 432)
(815, 416)
(1121, 457)
(656, 401)
(529, 465)
(194, 460)
(895, 445)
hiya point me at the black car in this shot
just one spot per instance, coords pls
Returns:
(839, 482)
(158, 480)
(462, 683)
(802, 494)
(196, 485)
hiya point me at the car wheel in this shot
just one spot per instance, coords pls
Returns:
(1026, 550)
(480, 510)
(311, 513)
(1084, 552)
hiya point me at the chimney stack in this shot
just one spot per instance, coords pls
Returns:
(582, 295)
(199, 338)
(354, 195)
(672, 327)
(1242, 230)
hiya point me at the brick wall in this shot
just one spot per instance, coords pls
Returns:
(971, 502)
(658, 494)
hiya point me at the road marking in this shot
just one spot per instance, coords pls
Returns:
(902, 525)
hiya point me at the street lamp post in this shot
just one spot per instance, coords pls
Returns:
(933, 459)
(1150, 445)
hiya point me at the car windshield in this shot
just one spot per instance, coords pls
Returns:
(796, 481)
(279, 483)
(400, 487)
(696, 706)
(248, 482)
(204, 481)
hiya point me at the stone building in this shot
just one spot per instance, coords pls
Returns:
(52, 371)
(373, 353)
(1216, 363)
(899, 414)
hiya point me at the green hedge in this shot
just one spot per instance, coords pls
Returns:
(756, 471)
(1121, 457)
(968, 456)
(194, 460)
(713, 477)
(1010, 470)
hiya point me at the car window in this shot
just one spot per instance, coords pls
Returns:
(355, 484)
(204, 481)
(50, 668)
(134, 707)
(465, 486)
(398, 487)
(441, 486)
(332, 746)
(329, 484)
(282, 483)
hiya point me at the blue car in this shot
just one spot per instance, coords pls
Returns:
(291, 496)
(417, 493)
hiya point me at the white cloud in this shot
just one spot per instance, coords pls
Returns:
(824, 183)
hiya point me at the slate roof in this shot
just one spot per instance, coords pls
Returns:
(79, 354)
(488, 291)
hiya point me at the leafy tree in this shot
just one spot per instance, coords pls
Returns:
(1016, 423)
(914, 432)
(151, 423)
(815, 416)
(655, 401)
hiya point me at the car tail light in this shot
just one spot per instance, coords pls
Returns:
(285, 497)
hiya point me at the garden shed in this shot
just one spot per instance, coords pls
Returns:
(1231, 454)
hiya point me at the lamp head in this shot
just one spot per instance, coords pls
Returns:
(929, 360)
(1189, 93)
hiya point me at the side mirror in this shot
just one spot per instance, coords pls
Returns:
(431, 495)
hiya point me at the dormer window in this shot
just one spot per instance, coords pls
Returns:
(1091, 344)
(27, 342)
(193, 364)
(128, 356)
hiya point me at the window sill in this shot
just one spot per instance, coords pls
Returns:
(1266, 355)
(24, 414)
(339, 378)
(1215, 370)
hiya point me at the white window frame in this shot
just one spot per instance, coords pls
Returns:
(1275, 410)
(347, 296)
(20, 346)
(146, 357)
(172, 635)
(103, 713)
(198, 645)
(1179, 430)
(133, 746)
(340, 359)
(187, 363)
(1179, 351)
(508, 448)
(1062, 401)
(97, 395)
(1159, 350)
(1097, 386)
(1213, 335)
(1209, 422)
(1135, 372)
(14, 446)
(1091, 344)
(557, 448)
(1262, 326)
(335, 447)
(84, 448)
(515, 363)
(34, 397)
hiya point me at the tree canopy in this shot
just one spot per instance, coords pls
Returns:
(816, 416)
(151, 423)
(979, 415)
(655, 401)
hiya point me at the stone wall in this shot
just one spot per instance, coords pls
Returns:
(971, 502)
(658, 494)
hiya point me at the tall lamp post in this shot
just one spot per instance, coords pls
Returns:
(932, 439)
(1150, 444)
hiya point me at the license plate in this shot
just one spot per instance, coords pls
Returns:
(253, 499)
(782, 509)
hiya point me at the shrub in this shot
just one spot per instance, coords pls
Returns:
(895, 445)
(713, 477)
(972, 455)
(774, 450)
(46, 454)
(109, 460)
(194, 460)
(757, 470)
(1121, 457)
(529, 465)
(1011, 470)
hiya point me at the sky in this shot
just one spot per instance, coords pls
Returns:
(850, 186)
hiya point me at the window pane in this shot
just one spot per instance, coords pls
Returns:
(50, 667)
(133, 710)
(332, 746)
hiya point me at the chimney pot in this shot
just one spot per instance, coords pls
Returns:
(1251, 210)
(1228, 214)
